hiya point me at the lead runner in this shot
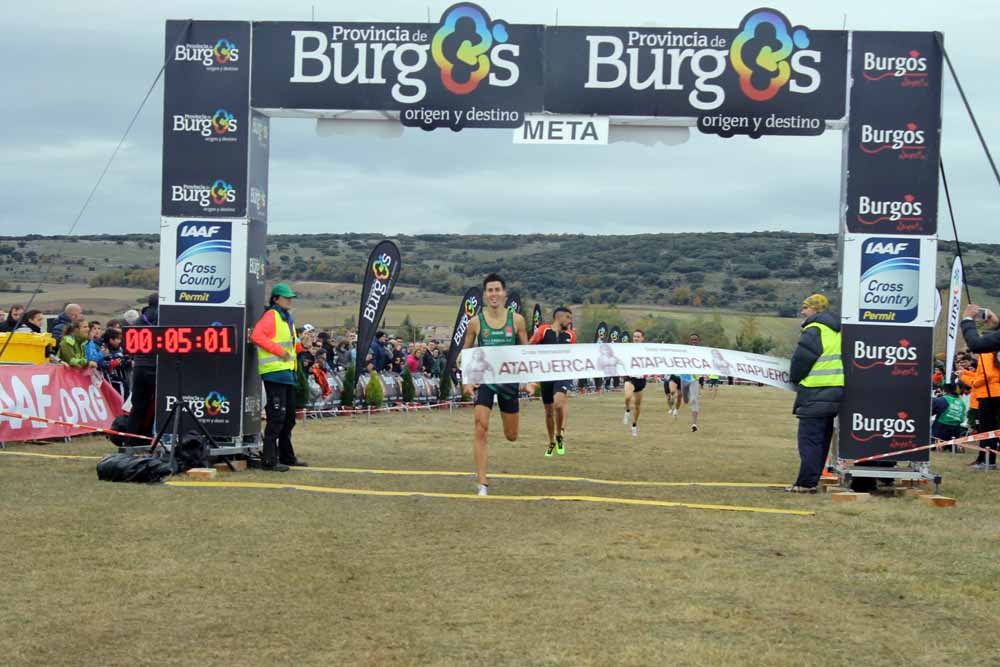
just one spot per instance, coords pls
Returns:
(495, 325)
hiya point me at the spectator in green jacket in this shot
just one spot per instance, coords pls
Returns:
(72, 345)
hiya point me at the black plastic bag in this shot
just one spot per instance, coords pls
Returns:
(191, 453)
(119, 424)
(129, 468)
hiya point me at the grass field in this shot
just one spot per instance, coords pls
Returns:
(116, 574)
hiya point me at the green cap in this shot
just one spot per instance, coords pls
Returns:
(281, 289)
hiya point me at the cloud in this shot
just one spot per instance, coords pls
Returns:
(67, 104)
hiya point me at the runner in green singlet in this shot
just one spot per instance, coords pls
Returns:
(495, 325)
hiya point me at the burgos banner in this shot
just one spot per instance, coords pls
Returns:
(528, 363)
(470, 69)
(768, 76)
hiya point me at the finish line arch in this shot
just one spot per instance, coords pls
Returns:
(224, 80)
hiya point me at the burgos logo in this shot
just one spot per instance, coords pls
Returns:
(908, 213)
(213, 405)
(900, 359)
(208, 197)
(471, 306)
(909, 142)
(380, 267)
(219, 56)
(381, 270)
(910, 70)
(213, 128)
(899, 429)
(468, 48)
(462, 24)
(763, 70)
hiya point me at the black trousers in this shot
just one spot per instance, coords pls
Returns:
(280, 413)
(815, 434)
(140, 419)
(989, 419)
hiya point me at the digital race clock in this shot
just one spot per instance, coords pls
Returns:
(180, 340)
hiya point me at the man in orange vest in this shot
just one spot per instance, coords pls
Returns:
(274, 336)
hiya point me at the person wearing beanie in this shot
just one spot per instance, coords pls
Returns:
(817, 371)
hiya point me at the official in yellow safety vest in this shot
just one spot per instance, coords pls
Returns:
(817, 370)
(274, 336)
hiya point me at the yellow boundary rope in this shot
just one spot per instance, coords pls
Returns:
(469, 496)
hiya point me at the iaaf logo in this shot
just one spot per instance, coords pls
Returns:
(664, 59)
(901, 359)
(468, 48)
(200, 231)
(214, 128)
(910, 69)
(381, 270)
(900, 427)
(208, 197)
(219, 56)
(212, 405)
(909, 141)
(909, 212)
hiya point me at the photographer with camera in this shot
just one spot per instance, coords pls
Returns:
(987, 345)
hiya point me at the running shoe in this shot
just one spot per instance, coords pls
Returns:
(625, 418)
(694, 428)
(550, 450)
(482, 490)
(674, 413)
(801, 489)
(635, 431)
(560, 447)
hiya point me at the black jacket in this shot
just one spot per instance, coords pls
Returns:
(988, 342)
(149, 317)
(8, 325)
(814, 401)
(61, 322)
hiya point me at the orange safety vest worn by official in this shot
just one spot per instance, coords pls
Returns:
(976, 380)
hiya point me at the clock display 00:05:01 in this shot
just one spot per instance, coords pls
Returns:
(179, 339)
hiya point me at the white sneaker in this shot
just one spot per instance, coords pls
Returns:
(694, 428)
(635, 431)
(482, 490)
(625, 419)
(674, 413)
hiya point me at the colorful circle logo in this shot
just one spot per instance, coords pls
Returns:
(380, 269)
(760, 53)
(466, 33)
(223, 51)
(221, 192)
(213, 403)
(221, 120)
(470, 307)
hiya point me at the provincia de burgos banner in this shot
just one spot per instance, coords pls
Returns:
(533, 363)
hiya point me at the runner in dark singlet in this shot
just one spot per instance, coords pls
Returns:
(633, 390)
(555, 394)
(495, 325)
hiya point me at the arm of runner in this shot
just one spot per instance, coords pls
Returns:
(470, 341)
(520, 329)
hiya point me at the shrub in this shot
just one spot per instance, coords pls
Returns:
(350, 383)
(409, 391)
(374, 393)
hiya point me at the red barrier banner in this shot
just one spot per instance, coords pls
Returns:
(70, 401)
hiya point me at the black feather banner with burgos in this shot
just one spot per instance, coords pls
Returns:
(514, 302)
(601, 333)
(615, 334)
(471, 304)
(381, 275)
(536, 319)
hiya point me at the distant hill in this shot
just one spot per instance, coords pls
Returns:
(760, 272)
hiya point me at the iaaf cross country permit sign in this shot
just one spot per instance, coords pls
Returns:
(528, 363)
(889, 279)
(203, 262)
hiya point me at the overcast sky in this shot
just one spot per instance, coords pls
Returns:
(74, 73)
